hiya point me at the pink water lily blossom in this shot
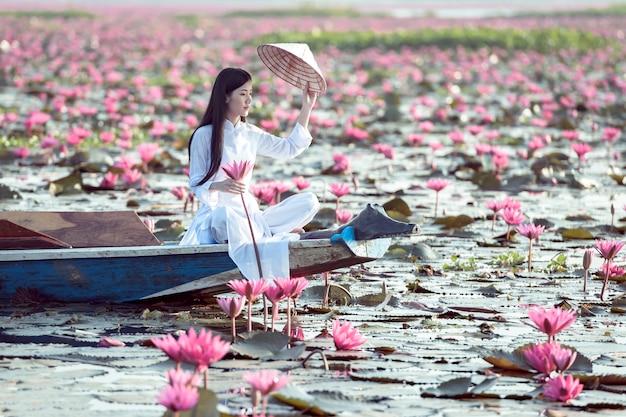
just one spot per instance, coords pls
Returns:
(202, 349)
(551, 321)
(170, 346)
(237, 170)
(512, 217)
(178, 397)
(251, 290)
(562, 388)
(265, 382)
(232, 306)
(346, 336)
(437, 184)
(300, 183)
(292, 288)
(532, 232)
(548, 357)
(274, 294)
(581, 149)
(607, 249)
(339, 189)
(343, 216)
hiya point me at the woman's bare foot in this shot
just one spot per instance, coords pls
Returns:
(298, 230)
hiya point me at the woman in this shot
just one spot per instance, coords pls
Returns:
(223, 137)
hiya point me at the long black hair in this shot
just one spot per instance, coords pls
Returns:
(227, 81)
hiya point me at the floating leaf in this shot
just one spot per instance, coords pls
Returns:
(398, 205)
(322, 404)
(486, 180)
(267, 345)
(463, 388)
(72, 184)
(516, 360)
(576, 233)
(454, 222)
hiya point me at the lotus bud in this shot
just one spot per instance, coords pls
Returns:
(587, 259)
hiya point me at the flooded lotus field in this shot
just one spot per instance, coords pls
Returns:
(443, 311)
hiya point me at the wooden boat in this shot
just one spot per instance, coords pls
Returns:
(53, 255)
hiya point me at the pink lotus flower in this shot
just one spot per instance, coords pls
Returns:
(339, 189)
(265, 382)
(608, 249)
(549, 356)
(532, 232)
(611, 134)
(21, 152)
(251, 290)
(178, 397)
(202, 349)
(456, 136)
(495, 207)
(107, 137)
(415, 138)
(292, 288)
(346, 337)
(426, 126)
(581, 149)
(562, 388)
(147, 151)
(385, 149)
(237, 170)
(149, 222)
(343, 216)
(233, 307)
(437, 184)
(170, 346)
(133, 177)
(551, 321)
(180, 377)
(301, 183)
(180, 192)
(274, 294)
(110, 342)
(342, 163)
(108, 181)
(511, 217)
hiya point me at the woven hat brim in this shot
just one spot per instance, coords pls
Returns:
(293, 63)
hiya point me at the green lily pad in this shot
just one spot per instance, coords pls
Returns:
(454, 222)
(70, 185)
(397, 205)
(267, 346)
(320, 404)
(577, 233)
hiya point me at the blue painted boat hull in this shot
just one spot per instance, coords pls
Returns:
(133, 273)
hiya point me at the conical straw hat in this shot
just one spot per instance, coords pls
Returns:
(294, 63)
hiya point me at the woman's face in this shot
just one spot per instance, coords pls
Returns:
(238, 102)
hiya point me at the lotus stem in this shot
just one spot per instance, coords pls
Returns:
(256, 248)
(530, 255)
(607, 274)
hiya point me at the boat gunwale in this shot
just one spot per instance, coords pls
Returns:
(13, 255)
